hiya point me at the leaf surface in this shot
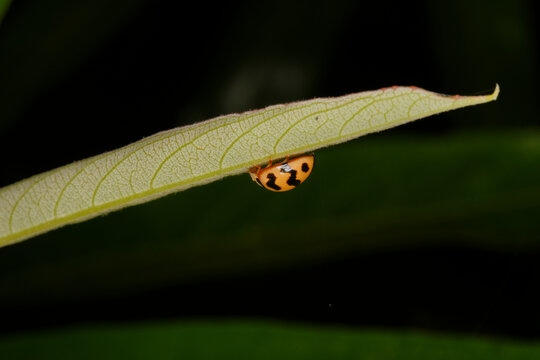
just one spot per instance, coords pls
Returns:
(183, 157)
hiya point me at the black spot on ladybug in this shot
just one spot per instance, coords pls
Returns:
(293, 181)
(272, 182)
(305, 167)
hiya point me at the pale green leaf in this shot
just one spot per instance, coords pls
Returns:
(180, 158)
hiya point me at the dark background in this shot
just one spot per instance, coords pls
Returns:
(78, 78)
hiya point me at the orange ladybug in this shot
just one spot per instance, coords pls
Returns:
(283, 176)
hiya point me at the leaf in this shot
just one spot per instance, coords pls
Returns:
(255, 340)
(180, 158)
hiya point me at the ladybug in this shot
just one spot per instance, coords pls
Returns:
(283, 176)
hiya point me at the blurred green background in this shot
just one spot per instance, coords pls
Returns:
(419, 242)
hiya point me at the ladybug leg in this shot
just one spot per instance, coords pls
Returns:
(286, 160)
(269, 163)
(255, 170)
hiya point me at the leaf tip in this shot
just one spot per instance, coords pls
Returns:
(495, 93)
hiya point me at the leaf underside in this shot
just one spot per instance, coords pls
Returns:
(192, 155)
